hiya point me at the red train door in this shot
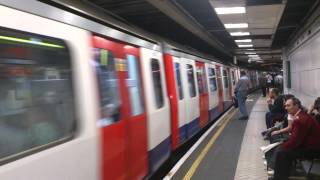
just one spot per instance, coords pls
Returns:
(220, 88)
(123, 114)
(203, 94)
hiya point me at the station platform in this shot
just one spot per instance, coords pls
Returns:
(229, 149)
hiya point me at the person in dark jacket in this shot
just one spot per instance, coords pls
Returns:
(263, 84)
(276, 109)
(304, 141)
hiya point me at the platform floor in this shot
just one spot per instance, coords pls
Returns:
(231, 150)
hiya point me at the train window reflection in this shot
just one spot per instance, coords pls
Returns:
(191, 83)
(108, 86)
(178, 77)
(134, 85)
(36, 101)
(225, 79)
(157, 86)
(212, 80)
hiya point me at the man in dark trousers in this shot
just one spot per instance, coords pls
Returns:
(241, 92)
(304, 141)
(263, 84)
(276, 108)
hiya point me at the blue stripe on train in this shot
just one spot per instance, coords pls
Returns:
(214, 113)
(193, 127)
(159, 155)
(183, 132)
(227, 104)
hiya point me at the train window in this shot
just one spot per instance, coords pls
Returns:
(288, 73)
(179, 83)
(36, 101)
(157, 86)
(201, 80)
(225, 79)
(191, 83)
(105, 66)
(134, 85)
(233, 78)
(212, 80)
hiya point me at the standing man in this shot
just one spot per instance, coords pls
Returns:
(241, 92)
(263, 84)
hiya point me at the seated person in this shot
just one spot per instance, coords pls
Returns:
(276, 108)
(314, 109)
(304, 140)
(285, 124)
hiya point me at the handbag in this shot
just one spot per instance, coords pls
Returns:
(235, 102)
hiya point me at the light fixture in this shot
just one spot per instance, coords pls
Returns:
(250, 53)
(231, 10)
(245, 45)
(253, 55)
(30, 41)
(238, 25)
(243, 40)
(240, 34)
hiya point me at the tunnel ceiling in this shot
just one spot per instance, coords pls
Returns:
(271, 23)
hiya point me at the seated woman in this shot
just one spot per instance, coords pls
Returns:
(314, 109)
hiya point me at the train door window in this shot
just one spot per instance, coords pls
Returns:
(36, 95)
(201, 80)
(179, 83)
(225, 79)
(212, 80)
(191, 83)
(134, 85)
(157, 86)
(233, 78)
(108, 86)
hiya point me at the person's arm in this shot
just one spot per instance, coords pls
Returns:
(276, 107)
(284, 130)
(310, 109)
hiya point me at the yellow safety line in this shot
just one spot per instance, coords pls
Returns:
(203, 153)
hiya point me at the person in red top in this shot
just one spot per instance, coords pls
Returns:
(304, 141)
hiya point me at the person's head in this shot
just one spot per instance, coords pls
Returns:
(242, 73)
(287, 96)
(316, 104)
(274, 93)
(293, 105)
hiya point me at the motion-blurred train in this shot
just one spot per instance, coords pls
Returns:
(83, 101)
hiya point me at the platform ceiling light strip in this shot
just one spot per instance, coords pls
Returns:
(243, 40)
(245, 45)
(231, 10)
(238, 25)
(250, 53)
(27, 41)
(240, 34)
(253, 55)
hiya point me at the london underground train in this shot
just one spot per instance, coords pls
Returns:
(83, 101)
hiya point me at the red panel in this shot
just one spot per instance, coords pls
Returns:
(220, 88)
(173, 99)
(203, 96)
(124, 144)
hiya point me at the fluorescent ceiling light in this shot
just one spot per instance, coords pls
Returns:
(240, 34)
(243, 40)
(253, 55)
(250, 49)
(245, 45)
(250, 53)
(230, 10)
(238, 25)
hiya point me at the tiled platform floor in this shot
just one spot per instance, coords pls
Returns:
(250, 163)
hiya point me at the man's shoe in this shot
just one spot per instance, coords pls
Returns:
(244, 118)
